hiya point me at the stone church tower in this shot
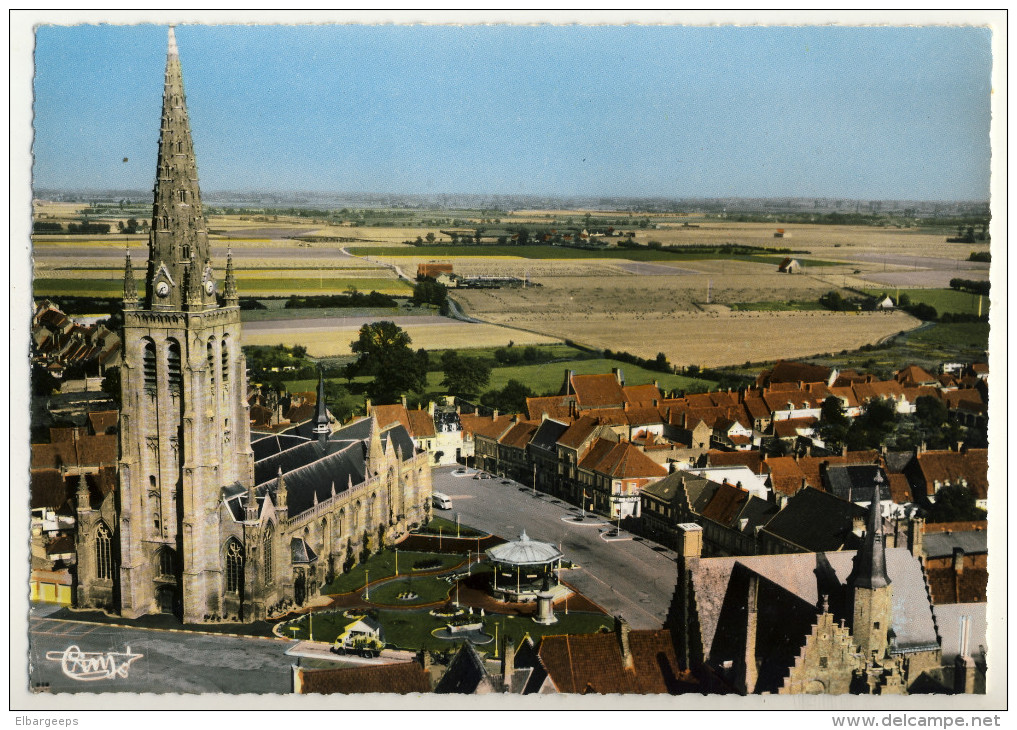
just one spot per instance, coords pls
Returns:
(869, 587)
(184, 427)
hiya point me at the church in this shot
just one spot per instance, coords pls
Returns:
(210, 523)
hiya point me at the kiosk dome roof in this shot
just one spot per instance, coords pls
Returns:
(524, 551)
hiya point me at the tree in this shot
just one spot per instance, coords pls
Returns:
(429, 292)
(510, 399)
(464, 376)
(661, 363)
(383, 350)
(955, 504)
(430, 237)
(833, 423)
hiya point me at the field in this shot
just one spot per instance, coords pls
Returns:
(334, 338)
(697, 309)
(944, 300)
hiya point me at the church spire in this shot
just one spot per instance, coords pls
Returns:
(870, 563)
(231, 283)
(178, 230)
(130, 286)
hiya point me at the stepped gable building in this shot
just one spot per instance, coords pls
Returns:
(208, 524)
(817, 622)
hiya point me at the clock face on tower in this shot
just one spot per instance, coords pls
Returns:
(162, 289)
(209, 287)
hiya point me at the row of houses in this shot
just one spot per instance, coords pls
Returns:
(59, 343)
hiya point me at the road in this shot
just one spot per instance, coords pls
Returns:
(626, 576)
(168, 661)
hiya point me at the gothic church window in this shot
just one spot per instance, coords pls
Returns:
(210, 360)
(234, 566)
(167, 562)
(267, 553)
(173, 367)
(148, 366)
(103, 552)
(225, 360)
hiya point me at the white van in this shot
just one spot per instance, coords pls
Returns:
(441, 501)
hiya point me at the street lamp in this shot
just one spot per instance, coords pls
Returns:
(367, 585)
(457, 524)
(439, 538)
(397, 562)
(534, 480)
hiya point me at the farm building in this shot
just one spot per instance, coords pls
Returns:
(781, 233)
(790, 266)
(432, 270)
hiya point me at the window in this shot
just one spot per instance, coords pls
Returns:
(148, 366)
(267, 553)
(234, 566)
(176, 380)
(182, 193)
(210, 362)
(225, 360)
(167, 562)
(103, 552)
(822, 662)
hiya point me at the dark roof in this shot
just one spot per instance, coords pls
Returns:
(816, 521)
(400, 678)
(265, 446)
(301, 552)
(318, 477)
(547, 434)
(786, 371)
(466, 674)
(942, 544)
(401, 441)
(853, 482)
(896, 461)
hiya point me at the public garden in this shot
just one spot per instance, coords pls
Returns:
(433, 591)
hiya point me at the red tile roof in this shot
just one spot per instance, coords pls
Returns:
(579, 432)
(487, 426)
(751, 459)
(900, 488)
(914, 375)
(597, 391)
(401, 678)
(421, 424)
(621, 461)
(593, 663)
(642, 394)
(724, 504)
(794, 372)
(387, 415)
(967, 526)
(558, 407)
(953, 466)
(103, 420)
(85, 451)
(519, 435)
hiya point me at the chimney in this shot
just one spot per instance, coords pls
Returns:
(750, 671)
(430, 409)
(367, 407)
(964, 665)
(403, 398)
(960, 446)
(508, 661)
(843, 451)
(621, 631)
(494, 415)
(958, 560)
(916, 537)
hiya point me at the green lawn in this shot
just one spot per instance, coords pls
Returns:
(429, 589)
(383, 565)
(312, 285)
(448, 529)
(78, 287)
(944, 300)
(411, 629)
(542, 379)
(549, 378)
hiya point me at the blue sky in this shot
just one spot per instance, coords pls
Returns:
(893, 113)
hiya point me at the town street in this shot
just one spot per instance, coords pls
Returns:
(626, 576)
(117, 659)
